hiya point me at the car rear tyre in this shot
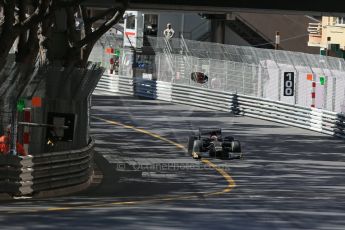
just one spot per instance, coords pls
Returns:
(228, 139)
(191, 140)
(212, 153)
(236, 147)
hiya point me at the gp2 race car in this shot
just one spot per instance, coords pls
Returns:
(210, 140)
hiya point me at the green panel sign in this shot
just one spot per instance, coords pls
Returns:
(117, 53)
(20, 105)
(322, 80)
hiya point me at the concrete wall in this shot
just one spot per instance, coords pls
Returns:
(64, 92)
(293, 29)
(232, 38)
(335, 31)
(187, 23)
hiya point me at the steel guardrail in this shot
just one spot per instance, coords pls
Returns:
(318, 120)
(33, 174)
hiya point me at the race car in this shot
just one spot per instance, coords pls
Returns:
(210, 141)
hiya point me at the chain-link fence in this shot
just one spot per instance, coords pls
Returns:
(99, 53)
(245, 70)
(255, 72)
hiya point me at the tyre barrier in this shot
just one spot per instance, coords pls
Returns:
(46, 172)
(314, 119)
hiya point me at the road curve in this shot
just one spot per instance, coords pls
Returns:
(290, 178)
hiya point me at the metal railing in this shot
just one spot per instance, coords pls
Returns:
(46, 173)
(184, 46)
(251, 71)
(168, 53)
(259, 72)
(318, 120)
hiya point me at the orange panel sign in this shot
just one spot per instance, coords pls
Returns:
(309, 77)
(130, 34)
(109, 50)
(36, 102)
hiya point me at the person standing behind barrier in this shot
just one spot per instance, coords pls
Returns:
(5, 144)
(168, 32)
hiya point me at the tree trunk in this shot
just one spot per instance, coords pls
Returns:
(51, 63)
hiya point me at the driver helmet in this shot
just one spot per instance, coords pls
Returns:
(214, 138)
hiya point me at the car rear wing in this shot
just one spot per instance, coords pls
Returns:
(208, 131)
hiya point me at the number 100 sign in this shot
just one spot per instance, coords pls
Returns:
(289, 83)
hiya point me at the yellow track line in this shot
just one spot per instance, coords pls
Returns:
(227, 177)
(230, 182)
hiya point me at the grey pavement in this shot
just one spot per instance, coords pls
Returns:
(290, 178)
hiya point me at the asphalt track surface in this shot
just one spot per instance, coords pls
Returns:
(290, 178)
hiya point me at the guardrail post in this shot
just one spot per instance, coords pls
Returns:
(325, 92)
(243, 70)
(340, 125)
(279, 83)
(334, 89)
(14, 126)
(296, 87)
(235, 105)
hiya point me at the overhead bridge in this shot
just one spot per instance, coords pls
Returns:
(330, 7)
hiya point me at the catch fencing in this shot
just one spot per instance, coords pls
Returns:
(253, 71)
(297, 89)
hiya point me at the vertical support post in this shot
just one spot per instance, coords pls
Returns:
(134, 63)
(253, 86)
(158, 77)
(334, 93)
(328, 46)
(208, 73)
(313, 92)
(226, 76)
(277, 43)
(218, 28)
(14, 124)
(296, 87)
(325, 93)
(243, 69)
(26, 134)
(262, 73)
(279, 84)
(182, 24)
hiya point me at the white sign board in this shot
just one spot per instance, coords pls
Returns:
(133, 29)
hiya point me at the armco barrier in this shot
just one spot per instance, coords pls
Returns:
(15, 178)
(308, 118)
(202, 97)
(152, 89)
(125, 85)
(108, 83)
(41, 173)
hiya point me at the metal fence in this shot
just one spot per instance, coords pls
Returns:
(241, 69)
(99, 54)
(255, 72)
